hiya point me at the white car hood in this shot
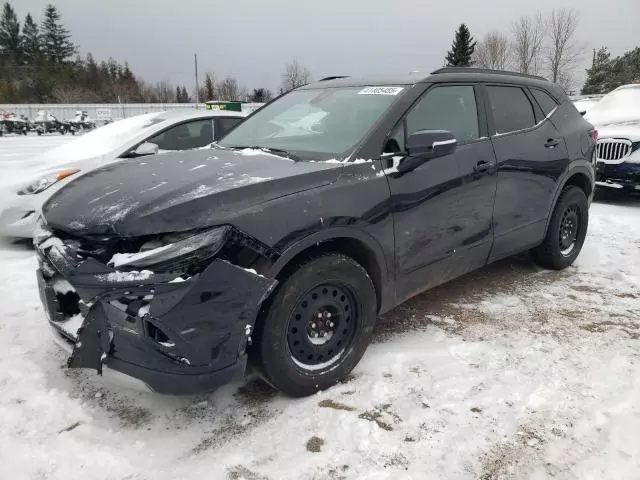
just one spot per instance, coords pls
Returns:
(629, 130)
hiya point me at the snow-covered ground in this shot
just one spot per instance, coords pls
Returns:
(510, 372)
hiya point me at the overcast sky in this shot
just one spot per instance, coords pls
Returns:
(253, 39)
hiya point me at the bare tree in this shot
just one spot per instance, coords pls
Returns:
(528, 38)
(164, 92)
(294, 76)
(229, 89)
(493, 51)
(68, 94)
(563, 52)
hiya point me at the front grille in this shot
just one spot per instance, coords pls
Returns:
(613, 149)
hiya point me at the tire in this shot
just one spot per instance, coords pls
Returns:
(566, 232)
(299, 355)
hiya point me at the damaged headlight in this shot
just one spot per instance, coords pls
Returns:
(175, 248)
(43, 183)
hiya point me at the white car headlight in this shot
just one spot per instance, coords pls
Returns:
(43, 183)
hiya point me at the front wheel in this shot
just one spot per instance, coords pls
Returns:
(317, 326)
(566, 232)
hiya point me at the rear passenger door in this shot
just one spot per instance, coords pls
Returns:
(531, 155)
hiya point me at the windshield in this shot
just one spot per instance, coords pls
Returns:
(103, 139)
(621, 105)
(315, 124)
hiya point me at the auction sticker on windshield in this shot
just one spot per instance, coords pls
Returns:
(380, 90)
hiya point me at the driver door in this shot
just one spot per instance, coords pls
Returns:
(443, 209)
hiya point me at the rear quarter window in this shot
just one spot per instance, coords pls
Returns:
(546, 102)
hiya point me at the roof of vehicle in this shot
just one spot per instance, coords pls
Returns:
(186, 114)
(449, 74)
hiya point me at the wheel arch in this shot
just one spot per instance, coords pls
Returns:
(580, 176)
(350, 242)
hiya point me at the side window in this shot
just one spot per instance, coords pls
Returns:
(512, 110)
(185, 136)
(451, 108)
(546, 102)
(226, 125)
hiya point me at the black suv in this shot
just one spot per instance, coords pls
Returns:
(283, 242)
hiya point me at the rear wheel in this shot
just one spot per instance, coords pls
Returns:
(566, 232)
(317, 327)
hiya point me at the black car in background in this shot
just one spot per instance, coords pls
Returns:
(328, 206)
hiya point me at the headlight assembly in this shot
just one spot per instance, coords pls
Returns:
(43, 183)
(174, 249)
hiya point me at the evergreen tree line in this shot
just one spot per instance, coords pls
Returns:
(39, 63)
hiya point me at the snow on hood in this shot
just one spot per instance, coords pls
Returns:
(620, 106)
(166, 193)
(628, 130)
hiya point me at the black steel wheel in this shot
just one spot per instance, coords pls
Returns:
(317, 325)
(566, 232)
(569, 230)
(322, 325)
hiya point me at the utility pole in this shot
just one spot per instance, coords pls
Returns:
(195, 58)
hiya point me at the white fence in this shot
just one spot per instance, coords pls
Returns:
(106, 111)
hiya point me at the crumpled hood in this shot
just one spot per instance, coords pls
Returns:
(629, 130)
(178, 191)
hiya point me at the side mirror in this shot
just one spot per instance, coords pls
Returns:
(146, 148)
(425, 145)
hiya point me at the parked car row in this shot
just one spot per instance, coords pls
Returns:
(282, 242)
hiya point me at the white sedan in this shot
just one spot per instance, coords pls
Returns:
(132, 137)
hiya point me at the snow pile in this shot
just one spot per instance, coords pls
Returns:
(72, 325)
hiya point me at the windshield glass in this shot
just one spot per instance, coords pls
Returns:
(316, 124)
(618, 106)
(103, 139)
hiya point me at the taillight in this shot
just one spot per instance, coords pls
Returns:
(594, 135)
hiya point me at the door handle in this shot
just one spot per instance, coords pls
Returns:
(552, 143)
(482, 166)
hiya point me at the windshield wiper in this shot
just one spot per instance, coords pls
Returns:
(276, 151)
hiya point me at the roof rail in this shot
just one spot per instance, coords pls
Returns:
(332, 78)
(484, 70)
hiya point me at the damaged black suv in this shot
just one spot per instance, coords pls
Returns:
(332, 204)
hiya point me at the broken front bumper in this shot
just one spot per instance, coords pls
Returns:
(178, 337)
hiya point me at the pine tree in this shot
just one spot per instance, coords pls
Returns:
(600, 73)
(92, 74)
(10, 41)
(178, 94)
(185, 95)
(462, 49)
(30, 41)
(260, 95)
(56, 44)
(209, 88)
